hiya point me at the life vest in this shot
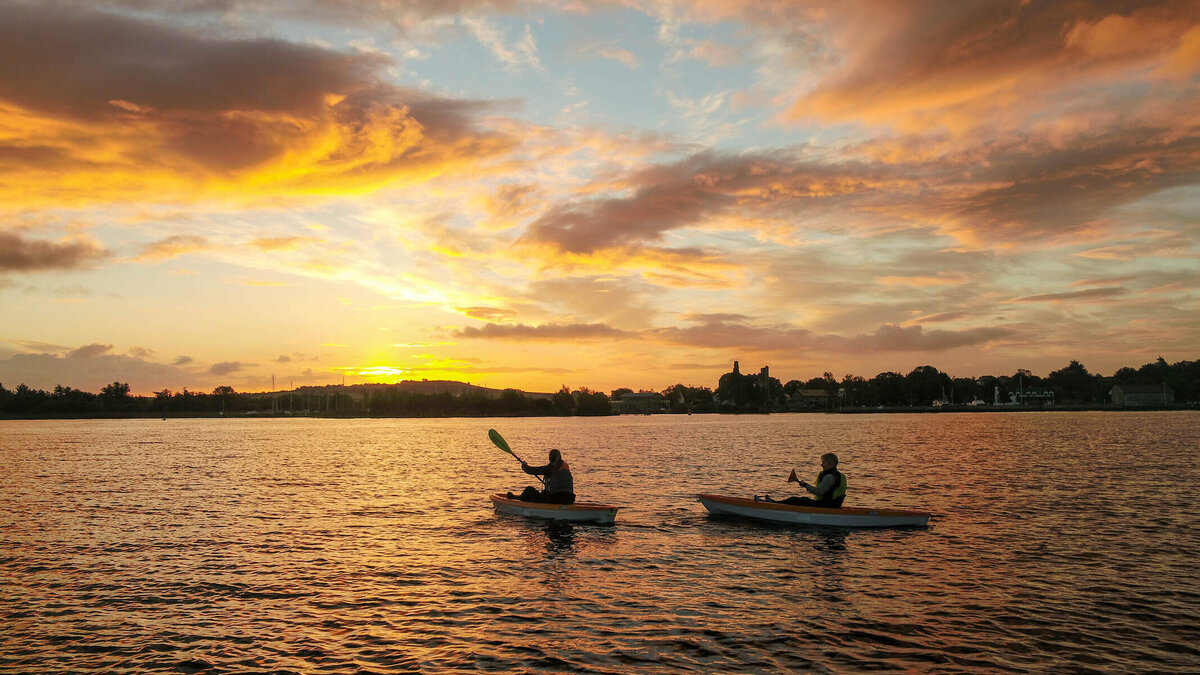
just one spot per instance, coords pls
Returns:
(837, 495)
(559, 479)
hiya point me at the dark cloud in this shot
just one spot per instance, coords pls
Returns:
(227, 367)
(1025, 187)
(893, 338)
(183, 361)
(942, 317)
(547, 332)
(283, 358)
(99, 368)
(713, 318)
(77, 62)
(1089, 294)
(398, 14)
(89, 351)
(1050, 192)
(670, 197)
(887, 338)
(19, 254)
(15, 158)
(734, 335)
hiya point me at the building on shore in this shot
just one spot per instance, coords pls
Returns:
(811, 399)
(1142, 395)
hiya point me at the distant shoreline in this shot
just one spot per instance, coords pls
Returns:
(841, 411)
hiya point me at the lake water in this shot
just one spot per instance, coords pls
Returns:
(1064, 542)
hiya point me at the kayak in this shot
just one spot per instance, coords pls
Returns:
(811, 515)
(579, 512)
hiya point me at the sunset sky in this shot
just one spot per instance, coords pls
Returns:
(529, 194)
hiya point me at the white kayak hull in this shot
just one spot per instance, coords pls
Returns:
(809, 515)
(579, 512)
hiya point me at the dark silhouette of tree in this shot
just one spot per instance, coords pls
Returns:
(1073, 383)
(925, 384)
(889, 388)
(588, 402)
(564, 402)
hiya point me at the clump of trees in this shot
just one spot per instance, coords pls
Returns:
(682, 398)
(1072, 384)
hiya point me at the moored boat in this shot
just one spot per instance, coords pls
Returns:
(577, 512)
(810, 515)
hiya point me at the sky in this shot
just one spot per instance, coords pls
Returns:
(202, 193)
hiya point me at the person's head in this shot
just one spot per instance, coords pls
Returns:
(828, 461)
(555, 456)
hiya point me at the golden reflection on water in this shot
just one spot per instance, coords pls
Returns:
(260, 545)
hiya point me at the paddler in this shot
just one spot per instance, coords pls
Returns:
(830, 489)
(559, 485)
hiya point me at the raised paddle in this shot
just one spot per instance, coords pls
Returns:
(499, 441)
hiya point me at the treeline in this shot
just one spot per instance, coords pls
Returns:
(1072, 384)
(115, 400)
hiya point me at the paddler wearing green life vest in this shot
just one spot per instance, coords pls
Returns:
(830, 488)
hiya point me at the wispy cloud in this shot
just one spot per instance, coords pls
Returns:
(725, 335)
(519, 53)
(545, 332)
(173, 246)
(1089, 294)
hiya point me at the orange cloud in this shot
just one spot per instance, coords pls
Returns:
(173, 247)
(163, 115)
(1185, 60)
(983, 67)
(279, 243)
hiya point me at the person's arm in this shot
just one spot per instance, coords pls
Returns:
(827, 483)
(535, 470)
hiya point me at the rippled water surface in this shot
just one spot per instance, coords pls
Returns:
(1065, 541)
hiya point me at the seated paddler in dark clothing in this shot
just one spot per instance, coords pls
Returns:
(559, 485)
(830, 489)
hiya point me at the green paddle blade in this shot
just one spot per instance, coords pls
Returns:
(499, 441)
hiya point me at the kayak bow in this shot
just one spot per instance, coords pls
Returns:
(811, 515)
(578, 512)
